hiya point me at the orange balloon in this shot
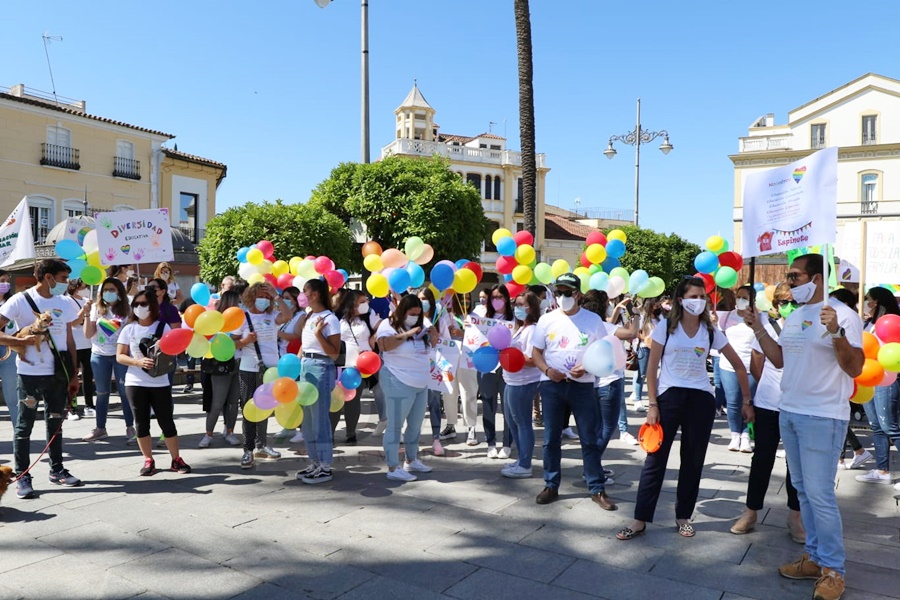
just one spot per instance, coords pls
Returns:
(191, 314)
(871, 375)
(234, 318)
(871, 345)
(371, 248)
(394, 258)
(285, 390)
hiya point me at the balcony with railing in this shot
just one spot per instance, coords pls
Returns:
(127, 168)
(195, 234)
(408, 147)
(868, 207)
(869, 138)
(766, 143)
(62, 157)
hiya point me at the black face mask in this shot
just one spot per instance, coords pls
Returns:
(657, 312)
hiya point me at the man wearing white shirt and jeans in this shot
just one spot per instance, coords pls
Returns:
(820, 350)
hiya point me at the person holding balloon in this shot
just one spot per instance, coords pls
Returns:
(259, 351)
(289, 336)
(740, 338)
(225, 387)
(491, 384)
(681, 397)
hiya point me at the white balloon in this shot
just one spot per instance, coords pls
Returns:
(618, 348)
(599, 358)
(90, 242)
(615, 287)
(245, 270)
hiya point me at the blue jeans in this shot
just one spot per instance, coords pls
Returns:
(104, 367)
(734, 400)
(811, 444)
(434, 413)
(8, 377)
(378, 394)
(490, 386)
(580, 398)
(619, 401)
(884, 417)
(717, 383)
(609, 401)
(640, 376)
(518, 400)
(403, 404)
(316, 424)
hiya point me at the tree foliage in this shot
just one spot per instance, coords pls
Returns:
(294, 229)
(400, 197)
(669, 257)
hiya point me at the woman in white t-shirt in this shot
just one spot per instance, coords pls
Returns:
(102, 327)
(80, 295)
(146, 393)
(429, 309)
(358, 338)
(291, 333)
(404, 339)
(740, 337)
(682, 397)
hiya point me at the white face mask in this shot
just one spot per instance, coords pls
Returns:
(411, 321)
(142, 312)
(803, 293)
(545, 304)
(566, 304)
(742, 304)
(363, 308)
(694, 306)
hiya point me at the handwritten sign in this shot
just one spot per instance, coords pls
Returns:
(444, 362)
(881, 248)
(134, 237)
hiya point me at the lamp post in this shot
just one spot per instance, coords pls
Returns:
(636, 138)
(364, 68)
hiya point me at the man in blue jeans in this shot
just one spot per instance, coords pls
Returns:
(560, 340)
(820, 349)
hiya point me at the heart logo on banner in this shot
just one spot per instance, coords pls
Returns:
(799, 173)
(126, 248)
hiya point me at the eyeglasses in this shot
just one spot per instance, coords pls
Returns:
(135, 304)
(565, 293)
(793, 276)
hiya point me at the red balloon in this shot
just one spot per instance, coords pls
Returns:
(475, 268)
(271, 279)
(293, 346)
(285, 280)
(514, 288)
(368, 363)
(731, 259)
(506, 264)
(523, 237)
(596, 237)
(887, 328)
(266, 247)
(334, 278)
(323, 264)
(710, 281)
(584, 261)
(175, 341)
(512, 360)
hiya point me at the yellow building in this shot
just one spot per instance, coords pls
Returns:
(67, 161)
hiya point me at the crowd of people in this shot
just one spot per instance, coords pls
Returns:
(781, 377)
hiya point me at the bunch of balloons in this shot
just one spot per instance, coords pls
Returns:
(518, 261)
(882, 364)
(393, 270)
(498, 352)
(281, 394)
(258, 264)
(461, 277)
(601, 271)
(206, 334)
(84, 261)
(717, 265)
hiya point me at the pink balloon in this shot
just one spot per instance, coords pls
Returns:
(334, 278)
(523, 237)
(323, 264)
(393, 258)
(449, 263)
(349, 395)
(500, 337)
(889, 378)
(267, 248)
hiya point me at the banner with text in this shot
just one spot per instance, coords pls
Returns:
(444, 362)
(881, 248)
(134, 237)
(475, 335)
(16, 237)
(792, 206)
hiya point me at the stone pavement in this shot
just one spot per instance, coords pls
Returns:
(462, 531)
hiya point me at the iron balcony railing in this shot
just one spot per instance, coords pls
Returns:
(192, 233)
(127, 168)
(63, 157)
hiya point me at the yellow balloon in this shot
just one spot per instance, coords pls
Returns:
(464, 281)
(617, 234)
(499, 234)
(377, 285)
(93, 259)
(595, 253)
(559, 267)
(280, 267)
(289, 415)
(715, 243)
(525, 254)
(295, 265)
(585, 281)
(254, 414)
(209, 322)
(581, 272)
(373, 263)
(307, 269)
(255, 278)
(198, 347)
(863, 394)
(337, 400)
(255, 256)
(522, 274)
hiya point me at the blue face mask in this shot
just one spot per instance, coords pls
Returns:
(58, 289)
(262, 304)
(110, 297)
(426, 306)
(288, 302)
(520, 312)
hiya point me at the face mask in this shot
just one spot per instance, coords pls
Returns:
(142, 312)
(411, 321)
(58, 289)
(742, 304)
(110, 297)
(4, 287)
(667, 306)
(129, 273)
(289, 303)
(657, 312)
(694, 306)
(566, 304)
(262, 304)
(785, 310)
(498, 304)
(426, 306)
(545, 304)
(520, 313)
(363, 308)
(482, 301)
(803, 293)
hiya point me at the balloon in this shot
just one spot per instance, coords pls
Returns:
(726, 277)
(862, 394)
(559, 267)
(475, 268)
(724, 248)
(242, 254)
(889, 355)
(222, 347)
(307, 393)
(266, 247)
(307, 268)
(506, 264)
(512, 360)
(372, 262)
(265, 267)
(210, 322)
(543, 272)
(759, 287)
(595, 253)
(616, 234)
(887, 328)
(193, 311)
(93, 260)
(348, 394)
(524, 238)
(290, 415)
(500, 337)
(337, 399)
(706, 262)
(399, 280)
(426, 256)
(293, 347)
(334, 279)
(233, 318)
(77, 265)
(598, 359)
(394, 258)
(263, 397)
(368, 363)
(619, 272)
(69, 250)
(615, 248)
(414, 247)
(270, 375)
(416, 275)
(486, 359)
(585, 261)
(200, 293)
(872, 373)
(91, 275)
(596, 237)
(599, 281)
(871, 345)
(270, 278)
(609, 264)
(449, 263)
(280, 267)
(370, 248)
(464, 281)
(351, 378)
(89, 243)
(715, 243)
(499, 234)
(289, 366)
(199, 346)
(514, 288)
(506, 246)
(323, 264)
(889, 378)
(655, 287)
(175, 341)
(377, 285)
(708, 280)
(615, 287)
(762, 303)
(255, 414)
(441, 276)
(284, 389)
(731, 259)
(285, 280)
(245, 270)
(522, 274)
(582, 271)
(255, 256)
(637, 281)
(525, 254)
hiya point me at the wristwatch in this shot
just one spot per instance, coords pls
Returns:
(838, 334)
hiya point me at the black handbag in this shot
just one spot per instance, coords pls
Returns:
(211, 366)
(163, 363)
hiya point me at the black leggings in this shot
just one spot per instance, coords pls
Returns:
(159, 399)
(87, 376)
(768, 434)
(351, 410)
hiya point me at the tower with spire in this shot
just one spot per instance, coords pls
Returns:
(415, 117)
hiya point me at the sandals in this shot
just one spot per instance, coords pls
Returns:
(686, 530)
(628, 533)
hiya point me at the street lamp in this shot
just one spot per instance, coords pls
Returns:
(636, 138)
(364, 68)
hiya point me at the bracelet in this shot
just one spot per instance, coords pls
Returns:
(653, 405)
(760, 333)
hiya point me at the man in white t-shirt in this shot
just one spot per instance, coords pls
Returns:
(41, 375)
(560, 340)
(820, 350)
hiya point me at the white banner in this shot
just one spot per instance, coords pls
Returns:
(444, 362)
(882, 250)
(134, 237)
(16, 237)
(792, 206)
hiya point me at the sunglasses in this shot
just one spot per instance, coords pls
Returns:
(565, 293)
(136, 304)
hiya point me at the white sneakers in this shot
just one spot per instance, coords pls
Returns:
(437, 449)
(745, 443)
(297, 438)
(568, 433)
(735, 445)
(860, 459)
(401, 474)
(504, 453)
(205, 441)
(628, 438)
(639, 407)
(471, 440)
(231, 439)
(874, 476)
(516, 472)
(418, 466)
(492, 452)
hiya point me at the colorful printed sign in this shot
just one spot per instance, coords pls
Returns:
(134, 237)
(444, 362)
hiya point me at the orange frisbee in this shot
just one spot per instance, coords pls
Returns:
(650, 437)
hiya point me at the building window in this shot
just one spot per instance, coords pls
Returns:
(869, 135)
(482, 146)
(869, 193)
(42, 218)
(58, 150)
(73, 208)
(497, 191)
(487, 187)
(187, 215)
(474, 179)
(124, 164)
(817, 136)
(488, 242)
(495, 146)
(520, 200)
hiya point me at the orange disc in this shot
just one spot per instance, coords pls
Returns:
(650, 437)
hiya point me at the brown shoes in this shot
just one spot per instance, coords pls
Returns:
(803, 569)
(547, 496)
(796, 531)
(603, 501)
(830, 585)
(745, 524)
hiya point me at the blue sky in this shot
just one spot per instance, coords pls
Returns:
(272, 88)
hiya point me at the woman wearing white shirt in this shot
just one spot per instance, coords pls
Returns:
(404, 339)
(146, 393)
(682, 397)
(287, 333)
(740, 337)
(355, 334)
(79, 293)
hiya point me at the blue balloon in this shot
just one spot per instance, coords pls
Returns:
(610, 263)
(706, 262)
(345, 274)
(351, 378)
(69, 250)
(599, 281)
(599, 359)
(77, 267)
(507, 277)
(200, 293)
(399, 280)
(242, 254)
(759, 287)
(615, 248)
(442, 277)
(486, 359)
(461, 263)
(416, 274)
(506, 246)
(289, 366)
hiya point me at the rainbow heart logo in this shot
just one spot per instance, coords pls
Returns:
(126, 248)
(798, 174)
(805, 325)
(109, 327)
(56, 312)
(699, 350)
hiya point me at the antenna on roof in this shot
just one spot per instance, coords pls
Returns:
(490, 125)
(47, 40)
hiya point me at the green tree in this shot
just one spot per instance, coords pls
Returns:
(400, 197)
(294, 229)
(669, 257)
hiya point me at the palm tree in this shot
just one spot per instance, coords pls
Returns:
(526, 112)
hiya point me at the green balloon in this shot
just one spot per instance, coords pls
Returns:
(307, 394)
(222, 347)
(726, 277)
(91, 275)
(543, 272)
(270, 375)
(620, 272)
(655, 287)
